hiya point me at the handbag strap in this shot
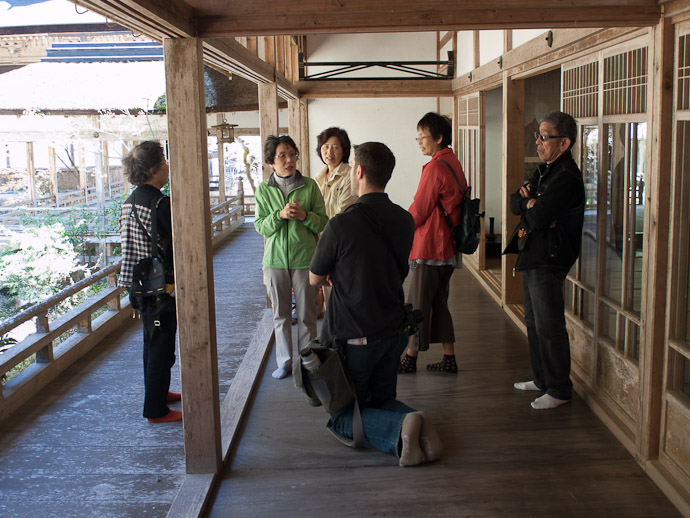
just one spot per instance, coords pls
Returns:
(153, 236)
(465, 194)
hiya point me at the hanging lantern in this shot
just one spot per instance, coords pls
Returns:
(225, 133)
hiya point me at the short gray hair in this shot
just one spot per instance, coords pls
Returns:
(564, 125)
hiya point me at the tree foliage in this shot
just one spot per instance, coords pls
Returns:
(38, 263)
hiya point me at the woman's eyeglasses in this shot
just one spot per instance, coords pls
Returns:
(282, 157)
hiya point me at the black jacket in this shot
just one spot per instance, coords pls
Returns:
(554, 224)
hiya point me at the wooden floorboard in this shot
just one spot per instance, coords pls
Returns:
(502, 458)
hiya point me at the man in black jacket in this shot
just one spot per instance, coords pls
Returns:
(551, 205)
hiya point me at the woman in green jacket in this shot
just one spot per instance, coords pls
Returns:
(290, 213)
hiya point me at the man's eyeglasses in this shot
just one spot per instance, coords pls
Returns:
(544, 138)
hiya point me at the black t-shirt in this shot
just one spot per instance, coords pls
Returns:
(367, 272)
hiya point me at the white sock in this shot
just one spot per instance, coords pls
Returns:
(526, 385)
(546, 402)
(280, 373)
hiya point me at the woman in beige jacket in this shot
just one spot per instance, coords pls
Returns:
(333, 147)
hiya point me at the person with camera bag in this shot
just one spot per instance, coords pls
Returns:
(146, 167)
(363, 254)
(433, 258)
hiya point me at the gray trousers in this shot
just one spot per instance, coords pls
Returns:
(280, 283)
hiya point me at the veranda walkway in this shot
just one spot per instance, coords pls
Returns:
(502, 458)
(84, 450)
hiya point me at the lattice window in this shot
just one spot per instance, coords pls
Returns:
(580, 88)
(468, 111)
(625, 83)
(683, 101)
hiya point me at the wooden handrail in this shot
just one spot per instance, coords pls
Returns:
(226, 217)
(44, 306)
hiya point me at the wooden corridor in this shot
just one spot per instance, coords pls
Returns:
(81, 449)
(502, 458)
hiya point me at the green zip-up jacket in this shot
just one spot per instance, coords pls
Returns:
(289, 243)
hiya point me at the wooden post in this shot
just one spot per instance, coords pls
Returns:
(191, 221)
(656, 226)
(270, 49)
(294, 130)
(32, 171)
(100, 201)
(513, 173)
(304, 136)
(52, 170)
(83, 183)
(280, 54)
(106, 168)
(268, 114)
(44, 355)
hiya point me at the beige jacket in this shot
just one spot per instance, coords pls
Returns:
(336, 190)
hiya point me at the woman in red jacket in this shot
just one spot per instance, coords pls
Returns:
(433, 258)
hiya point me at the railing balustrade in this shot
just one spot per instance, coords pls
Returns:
(87, 329)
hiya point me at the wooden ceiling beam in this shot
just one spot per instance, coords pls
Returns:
(156, 18)
(376, 88)
(228, 54)
(302, 21)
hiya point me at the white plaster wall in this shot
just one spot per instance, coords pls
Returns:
(391, 121)
(404, 46)
(490, 46)
(465, 52)
(521, 36)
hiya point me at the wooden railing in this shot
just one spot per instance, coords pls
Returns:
(50, 360)
(226, 217)
(82, 328)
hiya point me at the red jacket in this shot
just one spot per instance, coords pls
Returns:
(432, 237)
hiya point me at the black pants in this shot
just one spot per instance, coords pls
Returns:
(549, 347)
(159, 357)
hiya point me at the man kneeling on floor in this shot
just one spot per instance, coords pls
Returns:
(363, 255)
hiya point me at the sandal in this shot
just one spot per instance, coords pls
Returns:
(446, 365)
(408, 365)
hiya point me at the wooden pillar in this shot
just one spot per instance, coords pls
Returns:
(268, 115)
(191, 221)
(304, 134)
(83, 183)
(280, 54)
(656, 225)
(52, 170)
(295, 131)
(507, 40)
(513, 174)
(106, 168)
(475, 49)
(270, 49)
(31, 170)
(100, 200)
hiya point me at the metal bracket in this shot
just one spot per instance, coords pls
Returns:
(549, 39)
(411, 68)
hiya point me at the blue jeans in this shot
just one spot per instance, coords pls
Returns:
(374, 370)
(549, 347)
